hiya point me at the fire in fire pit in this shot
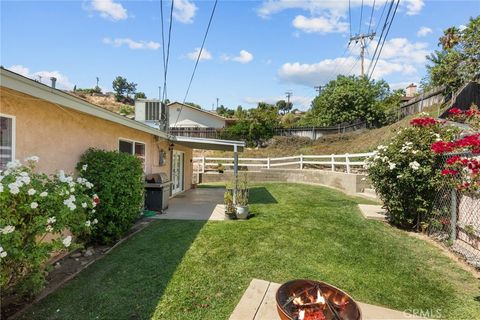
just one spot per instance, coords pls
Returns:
(315, 300)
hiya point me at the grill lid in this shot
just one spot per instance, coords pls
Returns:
(157, 178)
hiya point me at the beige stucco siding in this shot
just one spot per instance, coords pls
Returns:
(59, 135)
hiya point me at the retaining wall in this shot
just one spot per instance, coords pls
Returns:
(349, 183)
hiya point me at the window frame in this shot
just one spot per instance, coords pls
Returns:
(144, 158)
(14, 133)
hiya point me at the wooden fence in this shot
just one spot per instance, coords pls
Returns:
(334, 162)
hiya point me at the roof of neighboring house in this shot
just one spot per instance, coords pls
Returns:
(15, 81)
(189, 124)
(209, 144)
(197, 109)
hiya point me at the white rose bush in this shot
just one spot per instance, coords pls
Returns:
(405, 173)
(40, 216)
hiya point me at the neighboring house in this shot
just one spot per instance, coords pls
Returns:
(39, 120)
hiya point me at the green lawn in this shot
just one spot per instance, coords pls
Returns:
(198, 270)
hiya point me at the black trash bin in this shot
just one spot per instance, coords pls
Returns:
(157, 192)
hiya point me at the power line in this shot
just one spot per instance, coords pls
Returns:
(166, 56)
(361, 18)
(371, 16)
(381, 34)
(350, 17)
(198, 59)
(386, 34)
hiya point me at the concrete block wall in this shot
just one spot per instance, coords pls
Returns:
(349, 183)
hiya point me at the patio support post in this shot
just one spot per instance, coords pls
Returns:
(235, 172)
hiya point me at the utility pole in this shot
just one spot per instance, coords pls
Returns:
(362, 38)
(318, 89)
(288, 94)
(160, 93)
(217, 103)
(98, 79)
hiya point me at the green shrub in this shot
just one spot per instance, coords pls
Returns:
(33, 206)
(406, 172)
(126, 109)
(118, 180)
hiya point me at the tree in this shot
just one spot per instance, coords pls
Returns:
(123, 88)
(458, 61)
(450, 38)
(225, 112)
(120, 86)
(254, 125)
(194, 105)
(283, 106)
(347, 99)
(140, 95)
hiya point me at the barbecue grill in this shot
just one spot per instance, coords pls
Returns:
(157, 191)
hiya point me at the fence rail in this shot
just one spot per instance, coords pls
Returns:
(334, 162)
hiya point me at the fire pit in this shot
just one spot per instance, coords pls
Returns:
(315, 300)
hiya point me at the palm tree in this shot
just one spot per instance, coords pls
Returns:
(450, 38)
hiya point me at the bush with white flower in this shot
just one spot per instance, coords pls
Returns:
(41, 216)
(405, 172)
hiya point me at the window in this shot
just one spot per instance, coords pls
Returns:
(132, 147)
(7, 140)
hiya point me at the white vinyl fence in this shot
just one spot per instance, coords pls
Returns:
(334, 162)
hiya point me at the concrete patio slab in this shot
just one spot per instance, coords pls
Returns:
(196, 204)
(258, 303)
(372, 211)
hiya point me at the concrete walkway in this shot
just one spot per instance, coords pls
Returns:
(258, 303)
(196, 204)
(372, 211)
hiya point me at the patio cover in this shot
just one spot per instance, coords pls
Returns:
(208, 144)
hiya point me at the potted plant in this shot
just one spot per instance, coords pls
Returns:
(229, 206)
(220, 168)
(241, 198)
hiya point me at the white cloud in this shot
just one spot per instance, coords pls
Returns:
(413, 6)
(320, 24)
(206, 55)
(319, 73)
(243, 57)
(184, 11)
(424, 31)
(402, 50)
(325, 15)
(399, 56)
(43, 76)
(132, 44)
(109, 9)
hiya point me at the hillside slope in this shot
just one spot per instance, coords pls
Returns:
(355, 142)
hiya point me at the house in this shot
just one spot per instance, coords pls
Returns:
(183, 119)
(36, 119)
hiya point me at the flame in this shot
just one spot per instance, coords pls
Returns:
(301, 314)
(320, 298)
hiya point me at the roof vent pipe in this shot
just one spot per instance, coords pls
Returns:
(54, 81)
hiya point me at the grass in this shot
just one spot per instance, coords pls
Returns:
(196, 270)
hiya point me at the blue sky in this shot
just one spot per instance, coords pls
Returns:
(255, 51)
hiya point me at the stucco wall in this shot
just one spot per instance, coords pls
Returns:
(202, 118)
(59, 135)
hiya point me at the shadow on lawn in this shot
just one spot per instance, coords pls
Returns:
(260, 195)
(129, 282)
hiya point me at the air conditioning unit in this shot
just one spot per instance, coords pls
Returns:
(152, 112)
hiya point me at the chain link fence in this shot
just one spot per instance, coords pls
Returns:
(456, 220)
